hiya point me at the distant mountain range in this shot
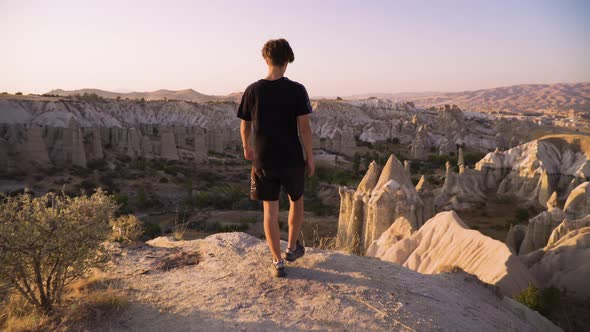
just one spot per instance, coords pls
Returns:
(546, 98)
(187, 94)
(560, 97)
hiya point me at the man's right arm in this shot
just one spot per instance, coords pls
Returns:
(306, 138)
(245, 130)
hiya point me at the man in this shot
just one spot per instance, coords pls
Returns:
(277, 109)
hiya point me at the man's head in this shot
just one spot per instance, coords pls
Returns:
(277, 52)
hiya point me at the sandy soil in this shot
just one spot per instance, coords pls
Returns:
(231, 289)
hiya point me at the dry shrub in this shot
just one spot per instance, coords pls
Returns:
(127, 228)
(180, 226)
(49, 241)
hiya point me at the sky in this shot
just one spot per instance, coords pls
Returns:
(341, 47)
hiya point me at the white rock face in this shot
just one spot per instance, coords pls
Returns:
(577, 204)
(34, 149)
(377, 203)
(445, 241)
(461, 190)
(565, 262)
(74, 132)
(539, 229)
(538, 168)
(565, 227)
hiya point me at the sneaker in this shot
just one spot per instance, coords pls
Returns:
(291, 255)
(277, 269)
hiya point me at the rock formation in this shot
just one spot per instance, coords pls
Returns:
(379, 202)
(577, 204)
(534, 170)
(461, 190)
(445, 242)
(565, 261)
(34, 149)
(539, 229)
(168, 145)
(333, 291)
(130, 127)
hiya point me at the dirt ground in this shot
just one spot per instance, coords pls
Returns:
(231, 289)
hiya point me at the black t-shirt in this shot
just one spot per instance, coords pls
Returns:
(274, 106)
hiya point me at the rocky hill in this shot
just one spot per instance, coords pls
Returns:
(231, 289)
(186, 95)
(559, 98)
(72, 131)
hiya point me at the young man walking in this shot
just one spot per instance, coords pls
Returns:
(277, 110)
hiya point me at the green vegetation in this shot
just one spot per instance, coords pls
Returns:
(151, 230)
(522, 215)
(87, 185)
(97, 164)
(337, 176)
(544, 301)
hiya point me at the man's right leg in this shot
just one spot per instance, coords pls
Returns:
(271, 228)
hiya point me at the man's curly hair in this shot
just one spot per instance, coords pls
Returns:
(278, 51)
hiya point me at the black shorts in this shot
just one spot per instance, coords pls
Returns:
(265, 184)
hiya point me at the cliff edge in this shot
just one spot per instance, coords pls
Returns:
(229, 288)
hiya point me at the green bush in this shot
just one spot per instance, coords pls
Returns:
(202, 199)
(98, 164)
(141, 200)
(81, 171)
(337, 176)
(123, 201)
(88, 186)
(544, 301)
(151, 230)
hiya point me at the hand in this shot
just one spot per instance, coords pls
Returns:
(309, 167)
(248, 153)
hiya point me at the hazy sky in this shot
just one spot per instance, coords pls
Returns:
(341, 47)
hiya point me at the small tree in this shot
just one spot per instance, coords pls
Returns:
(47, 242)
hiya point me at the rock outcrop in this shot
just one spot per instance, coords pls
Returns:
(577, 204)
(565, 262)
(379, 201)
(539, 229)
(324, 290)
(534, 170)
(445, 242)
(461, 190)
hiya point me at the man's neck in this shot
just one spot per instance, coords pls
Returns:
(274, 73)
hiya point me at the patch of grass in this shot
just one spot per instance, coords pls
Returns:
(235, 228)
(87, 301)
